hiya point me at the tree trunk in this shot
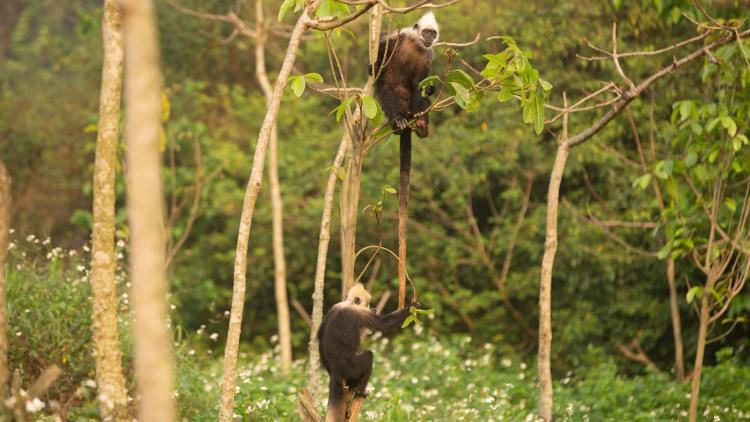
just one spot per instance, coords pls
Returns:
(282, 302)
(349, 202)
(153, 354)
(229, 375)
(110, 380)
(5, 201)
(313, 368)
(674, 305)
(350, 190)
(545, 283)
(700, 348)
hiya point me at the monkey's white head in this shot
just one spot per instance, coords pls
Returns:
(426, 30)
(358, 296)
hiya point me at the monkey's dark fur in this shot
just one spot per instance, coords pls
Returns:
(404, 60)
(340, 335)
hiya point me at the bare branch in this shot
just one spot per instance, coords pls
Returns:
(635, 92)
(616, 60)
(458, 44)
(301, 311)
(424, 4)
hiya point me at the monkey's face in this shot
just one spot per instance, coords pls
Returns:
(426, 35)
(359, 296)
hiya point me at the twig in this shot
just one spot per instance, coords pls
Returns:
(301, 311)
(638, 355)
(615, 58)
(458, 44)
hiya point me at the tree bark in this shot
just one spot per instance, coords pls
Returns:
(545, 284)
(313, 368)
(5, 202)
(674, 306)
(700, 348)
(153, 354)
(229, 375)
(350, 190)
(349, 203)
(110, 380)
(280, 289)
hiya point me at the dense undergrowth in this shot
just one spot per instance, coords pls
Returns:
(418, 374)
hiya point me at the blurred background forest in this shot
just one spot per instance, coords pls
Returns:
(477, 211)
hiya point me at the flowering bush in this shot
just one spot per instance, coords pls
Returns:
(417, 376)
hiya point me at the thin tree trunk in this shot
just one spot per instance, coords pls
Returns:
(5, 201)
(313, 368)
(229, 375)
(280, 289)
(153, 354)
(349, 200)
(110, 380)
(674, 306)
(350, 190)
(545, 284)
(700, 348)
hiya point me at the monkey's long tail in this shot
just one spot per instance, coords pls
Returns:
(403, 211)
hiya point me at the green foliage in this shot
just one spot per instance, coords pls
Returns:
(49, 308)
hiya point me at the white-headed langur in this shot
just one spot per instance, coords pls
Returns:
(343, 329)
(404, 60)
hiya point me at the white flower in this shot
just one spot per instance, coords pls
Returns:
(30, 238)
(505, 362)
(214, 336)
(33, 406)
(89, 383)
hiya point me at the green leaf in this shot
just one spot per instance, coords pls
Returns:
(691, 158)
(314, 77)
(462, 95)
(411, 318)
(460, 77)
(693, 292)
(729, 125)
(642, 181)
(731, 204)
(685, 108)
(545, 85)
(538, 113)
(390, 189)
(664, 251)
(710, 126)
(285, 6)
(505, 94)
(663, 169)
(370, 106)
(298, 85)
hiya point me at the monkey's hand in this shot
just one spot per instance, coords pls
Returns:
(361, 393)
(399, 123)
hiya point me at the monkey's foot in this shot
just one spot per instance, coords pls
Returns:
(421, 128)
(399, 124)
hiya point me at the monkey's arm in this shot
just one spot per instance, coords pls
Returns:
(377, 322)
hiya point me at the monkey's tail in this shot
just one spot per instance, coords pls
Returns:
(403, 211)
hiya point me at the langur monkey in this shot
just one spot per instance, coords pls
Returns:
(341, 333)
(404, 60)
